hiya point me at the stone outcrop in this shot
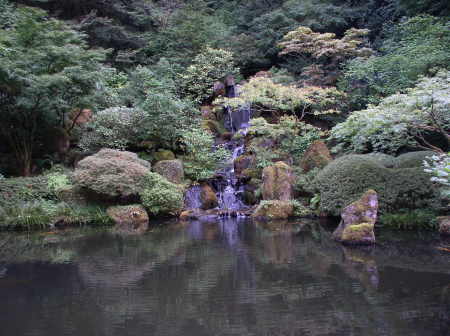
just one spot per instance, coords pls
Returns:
(444, 225)
(242, 163)
(358, 220)
(164, 154)
(172, 170)
(274, 210)
(208, 197)
(112, 174)
(277, 182)
(129, 219)
(316, 156)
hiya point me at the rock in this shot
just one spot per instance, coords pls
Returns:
(358, 220)
(444, 225)
(218, 89)
(251, 173)
(230, 81)
(208, 197)
(164, 155)
(277, 184)
(316, 156)
(213, 126)
(243, 162)
(172, 170)
(129, 218)
(207, 112)
(111, 174)
(274, 210)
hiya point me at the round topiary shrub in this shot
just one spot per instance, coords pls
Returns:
(344, 180)
(112, 174)
(161, 197)
(412, 159)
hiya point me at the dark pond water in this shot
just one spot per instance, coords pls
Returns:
(222, 278)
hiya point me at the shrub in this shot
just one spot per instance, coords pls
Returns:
(112, 174)
(161, 197)
(400, 120)
(412, 159)
(57, 182)
(14, 192)
(202, 157)
(421, 219)
(347, 178)
(439, 167)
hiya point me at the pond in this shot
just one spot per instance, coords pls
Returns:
(223, 277)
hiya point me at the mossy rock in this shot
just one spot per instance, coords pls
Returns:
(316, 156)
(130, 219)
(347, 178)
(208, 197)
(213, 126)
(163, 155)
(361, 234)
(243, 162)
(172, 170)
(274, 210)
(252, 173)
(412, 159)
(278, 182)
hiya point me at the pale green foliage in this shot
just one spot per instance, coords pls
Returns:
(116, 127)
(439, 167)
(301, 210)
(202, 157)
(208, 67)
(290, 136)
(266, 96)
(160, 196)
(413, 49)
(57, 182)
(399, 120)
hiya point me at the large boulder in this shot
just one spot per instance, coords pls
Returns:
(172, 170)
(277, 184)
(316, 156)
(444, 225)
(347, 178)
(208, 197)
(358, 220)
(130, 219)
(111, 174)
(274, 210)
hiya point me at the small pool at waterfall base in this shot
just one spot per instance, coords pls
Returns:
(223, 277)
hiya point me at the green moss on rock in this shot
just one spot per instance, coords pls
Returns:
(163, 155)
(129, 218)
(316, 156)
(274, 210)
(277, 182)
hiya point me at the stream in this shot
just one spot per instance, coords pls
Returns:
(230, 276)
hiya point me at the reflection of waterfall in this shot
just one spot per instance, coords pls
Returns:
(230, 190)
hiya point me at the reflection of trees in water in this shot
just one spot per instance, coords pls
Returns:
(242, 279)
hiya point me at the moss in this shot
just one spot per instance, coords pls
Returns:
(129, 218)
(347, 178)
(358, 234)
(277, 182)
(316, 156)
(252, 173)
(274, 210)
(172, 170)
(163, 154)
(412, 159)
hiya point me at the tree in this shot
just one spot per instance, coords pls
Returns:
(46, 71)
(327, 52)
(401, 120)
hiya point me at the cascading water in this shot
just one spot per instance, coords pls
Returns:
(230, 190)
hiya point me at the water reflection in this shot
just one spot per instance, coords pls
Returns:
(230, 277)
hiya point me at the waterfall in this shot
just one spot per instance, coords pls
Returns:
(230, 190)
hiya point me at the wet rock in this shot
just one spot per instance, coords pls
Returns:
(444, 225)
(163, 155)
(358, 220)
(130, 219)
(207, 112)
(316, 156)
(274, 210)
(172, 170)
(277, 184)
(243, 162)
(208, 197)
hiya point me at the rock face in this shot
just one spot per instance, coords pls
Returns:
(274, 210)
(172, 170)
(444, 225)
(358, 220)
(111, 173)
(316, 156)
(277, 182)
(129, 219)
(242, 163)
(208, 197)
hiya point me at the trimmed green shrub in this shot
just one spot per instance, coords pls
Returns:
(16, 191)
(412, 159)
(347, 178)
(161, 197)
(112, 174)
(422, 219)
(385, 160)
